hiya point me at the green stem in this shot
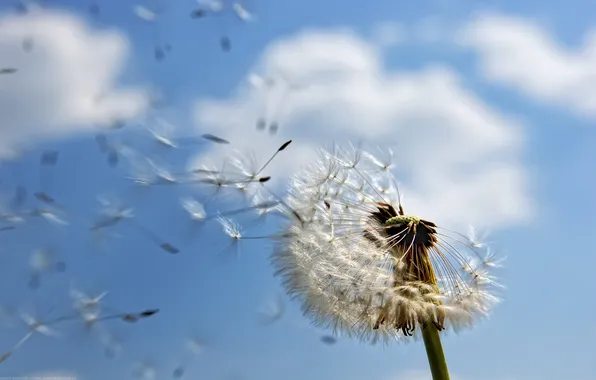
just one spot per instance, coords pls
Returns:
(434, 351)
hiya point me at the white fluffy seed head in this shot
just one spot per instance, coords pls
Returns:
(356, 274)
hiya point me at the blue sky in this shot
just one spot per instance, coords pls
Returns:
(490, 109)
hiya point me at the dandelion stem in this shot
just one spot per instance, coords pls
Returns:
(434, 351)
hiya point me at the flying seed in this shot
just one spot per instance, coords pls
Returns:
(215, 139)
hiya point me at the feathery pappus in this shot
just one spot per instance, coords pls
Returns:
(359, 263)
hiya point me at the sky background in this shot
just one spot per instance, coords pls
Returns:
(489, 107)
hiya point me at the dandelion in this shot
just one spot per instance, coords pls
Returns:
(360, 264)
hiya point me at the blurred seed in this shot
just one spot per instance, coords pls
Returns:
(27, 44)
(178, 373)
(169, 248)
(117, 124)
(261, 124)
(34, 281)
(241, 12)
(94, 9)
(102, 143)
(130, 318)
(148, 313)
(215, 139)
(144, 13)
(328, 339)
(49, 157)
(225, 43)
(273, 128)
(198, 13)
(20, 196)
(109, 352)
(61, 266)
(113, 158)
(8, 70)
(44, 197)
(159, 54)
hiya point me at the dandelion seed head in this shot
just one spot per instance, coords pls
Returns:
(360, 265)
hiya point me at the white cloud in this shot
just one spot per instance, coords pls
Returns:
(66, 83)
(521, 54)
(459, 158)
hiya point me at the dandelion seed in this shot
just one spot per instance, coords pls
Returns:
(276, 96)
(85, 302)
(194, 208)
(49, 159)
(112, 213)
(44, 197)
(145, 371)
(20, 196)
(34, 326)
(51, 215)
(144, 13)
(272, 311)
(43, 261)
(27, 44)
(220, 8)
(196, 346)
(215, 139)
(241, 12)
(102, 143)
(232, 229)
(94, 9)
(134, 317)
(178, 373)
(475, 240)
(112, 345)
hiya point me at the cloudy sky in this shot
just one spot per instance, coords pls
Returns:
(489, 108)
